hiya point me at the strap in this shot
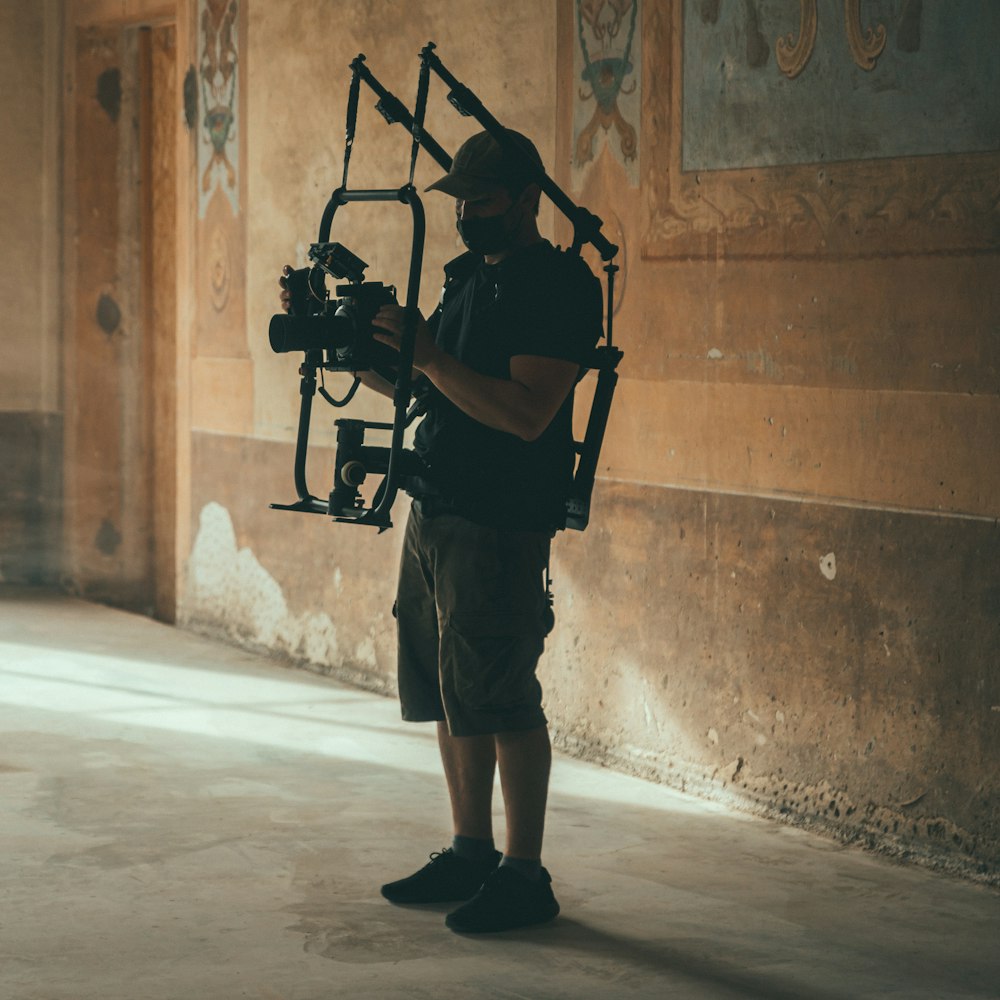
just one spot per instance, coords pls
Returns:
(423, 84)
(352, 115)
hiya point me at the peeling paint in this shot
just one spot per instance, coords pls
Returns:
(230, 589)
(108, 538)
(823, 807)
(108, 314)
(365, 652)
(109, 92)
(762, 363)
(828, 566)
(648, 712)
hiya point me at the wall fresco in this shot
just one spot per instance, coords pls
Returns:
(218, 76)
(741, 616)
(856, 208)
(774, 82)
(220, 321)
(607, 58)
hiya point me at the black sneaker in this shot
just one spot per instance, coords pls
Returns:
(446, 879)
(506, 900)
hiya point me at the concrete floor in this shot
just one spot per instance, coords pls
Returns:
(184, 820)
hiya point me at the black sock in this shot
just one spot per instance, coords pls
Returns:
(531, 870)
(473, 848)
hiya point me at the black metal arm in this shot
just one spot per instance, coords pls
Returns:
(354, 458)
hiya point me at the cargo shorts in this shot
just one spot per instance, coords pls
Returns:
(472, 617)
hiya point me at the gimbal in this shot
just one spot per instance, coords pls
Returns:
(397, 465)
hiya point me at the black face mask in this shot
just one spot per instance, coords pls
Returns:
(486, 236)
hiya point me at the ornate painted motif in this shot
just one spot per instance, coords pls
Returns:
(606, 60)
(866, 44)
(838, 81)
(859, 208)
(218, 72)
(793, 54)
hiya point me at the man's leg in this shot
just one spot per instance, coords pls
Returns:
(458, 872)
(525, 759)
(469, 764)
(519, 892)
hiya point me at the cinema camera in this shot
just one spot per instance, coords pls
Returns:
(335, 334)
(341, 328)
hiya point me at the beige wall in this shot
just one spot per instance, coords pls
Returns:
(295, 145)
(30, 288)
(788, 594)
(247, 572)
(788, 597)
(29, 206)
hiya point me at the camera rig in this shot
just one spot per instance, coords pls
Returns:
(335, 335)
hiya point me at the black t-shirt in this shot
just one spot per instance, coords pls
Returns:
(538, 301)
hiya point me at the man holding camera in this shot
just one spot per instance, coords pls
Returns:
(498, 361)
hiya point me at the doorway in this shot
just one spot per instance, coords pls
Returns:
(120, 367)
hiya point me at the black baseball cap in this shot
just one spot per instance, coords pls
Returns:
(481, 164)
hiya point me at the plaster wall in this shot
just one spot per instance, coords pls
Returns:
(789, 595)
(30, 410)
(327, 594)
(803, 524)
(29, 251)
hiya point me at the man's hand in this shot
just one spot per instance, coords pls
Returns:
(369, 379)
(286, 295)
(388, 325)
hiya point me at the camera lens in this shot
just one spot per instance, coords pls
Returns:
(307, 333)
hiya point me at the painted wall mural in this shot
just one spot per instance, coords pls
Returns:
(866, 43)
(218, 74)
(221, 232)
(607, 63)
(756, 164)
(774, 82)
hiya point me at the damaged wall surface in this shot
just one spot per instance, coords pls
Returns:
(30, 414)
(789, 594)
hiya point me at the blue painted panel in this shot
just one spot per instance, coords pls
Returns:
(934, 89)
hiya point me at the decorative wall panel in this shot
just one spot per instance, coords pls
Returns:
(607, 57)
(221, 184)
(218, 78)
(773, 82)
(857, 208)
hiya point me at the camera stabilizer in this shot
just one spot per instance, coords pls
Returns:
(336, 335)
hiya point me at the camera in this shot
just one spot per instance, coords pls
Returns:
(340, 327)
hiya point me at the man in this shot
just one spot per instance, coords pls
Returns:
(498, 361)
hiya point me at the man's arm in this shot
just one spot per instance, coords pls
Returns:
(523, 405)
(372, 380)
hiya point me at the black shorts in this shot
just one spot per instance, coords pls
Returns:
(472, 618)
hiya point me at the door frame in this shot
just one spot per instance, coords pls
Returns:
(170, 376)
